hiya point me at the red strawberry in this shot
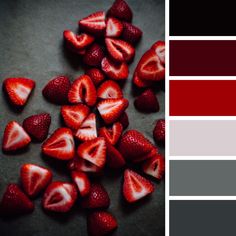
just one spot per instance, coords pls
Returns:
(131, 33)
(159, 48)
(18, 90)
(147, 102)
(114, 27)
(135, 186)
(59, 197)
(149, 155)
(120, 50)
(124, 120)
(96, 75)
(93, 151)
(37, 126)
(15, 202)
(60, 145)
(14, 137)
(57, 89)
(83, 91)
(74, 115)
(82, 182)
(112, 134)
(94, 23)
(34, 179)
(155, 166)
(109, 89)
(121, 10)
(94, 55)
(115, 71)
(111, 109)
(97, 198)
(159, 131)
(140, 82)
(87, 131)
(101, 223)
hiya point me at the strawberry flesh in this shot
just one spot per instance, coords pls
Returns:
(109, 89)
(114, 27)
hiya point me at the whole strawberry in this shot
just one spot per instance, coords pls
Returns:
(96, 75)
(131, 33)
(94, 55)
(159, 131)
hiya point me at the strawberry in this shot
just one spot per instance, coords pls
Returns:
(147, 102)
(131, 33)
(121, 10)
(159, 48)
(93, 151)
(96, 75)
(101, 223)
(15, 202)
(18, 90)
(112, 108)
(144, 157)
(59, 197)
(97, 198)
(120, 50)
(135, 186)
(113, 70)
(14, 137)
(74, 115)
(159, 131)
(140, 82)
(82, 182)
(83, 91)
(124, 120)
(94, 55)
(155, 166)
(94, 23)
(34, 178)
(112, 134)
(87, 131)
(109, 89)
(56, 90)
(37, 126)
(60, 145)
(114, 27)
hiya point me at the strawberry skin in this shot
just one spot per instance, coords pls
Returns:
(159, 131)
(96, 75)
(159, 48)
(131, 33)
(15, 202)
(37, 126)
(140, 83)
(109, 89)
(114, 27)
(124, 120)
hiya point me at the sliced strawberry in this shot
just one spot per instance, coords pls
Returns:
(140, 82)
(159, 131)
(88, 130)
(18, 90)
(14, 137)
(93, 151)
(131, 33)
(82, 182)
(111, 109)
(59, 197)
(109, 89)
(74, 115)
(159, 48)
(149, 155)
(34, 179)
(111, 135)
(83, 91)
(124, 120)
(135, 186)
(60, 145)
(96, 75)
(114, 27)
(94, 23)
(15, 202)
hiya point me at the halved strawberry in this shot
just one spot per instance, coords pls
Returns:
(59, 197)
(74, 115)
(124, 120)
(120, 50)
(114, 27)
(140, 82)
(83, 91)
(147, 156)
(88, 130)
(34, 178)
(109, 89)
(14, 137)
(82, 182)
(60, 144)
(159, 48)
(94, 23)
(18, 90)
(111, 135)
(96, 75)
(112, 108)
(135, 186)
(93, 151)
(131, 33)
(115, 71)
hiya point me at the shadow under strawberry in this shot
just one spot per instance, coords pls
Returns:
(17, 152)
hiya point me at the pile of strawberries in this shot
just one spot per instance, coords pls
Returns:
(90, 97)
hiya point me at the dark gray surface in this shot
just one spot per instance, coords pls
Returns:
(31, 46)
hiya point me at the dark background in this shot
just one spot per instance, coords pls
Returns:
(31, 46)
